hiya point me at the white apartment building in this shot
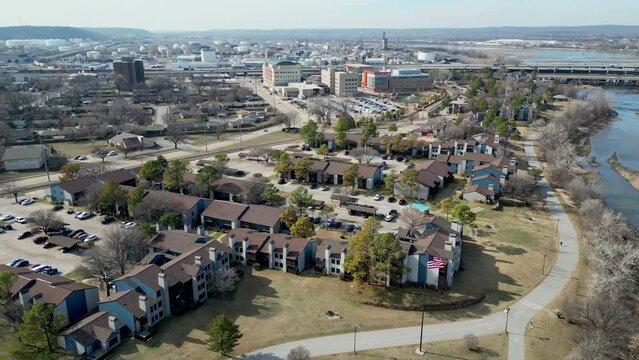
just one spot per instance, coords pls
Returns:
(328, 78)
(281, 73)
(346, 84)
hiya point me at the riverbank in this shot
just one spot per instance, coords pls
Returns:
(632, 176)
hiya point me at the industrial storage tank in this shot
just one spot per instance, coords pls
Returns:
(143, 49)
(426, 56)
(163, 48)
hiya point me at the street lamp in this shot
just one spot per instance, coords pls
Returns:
(507, 311)
(355, 340)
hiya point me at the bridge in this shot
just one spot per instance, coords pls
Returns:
(596, 75)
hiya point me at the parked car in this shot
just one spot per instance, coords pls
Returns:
(399, 159)
(50, 271)
(74, 232)
(26, 202)
(40, 239)
(78, 235)
(13, 262)
(24, 235)
(48, 245)
(112, 153)
(7, 217)
(389, 218)
(84, 215)
(21, 220)
(70, 211)
(40, 268)
(391, 199)
(378, 197)
(324, 188)
(130, 225)
(403, 202)
(281, 181)
(349, 228)
(21, 263)
(6, 227)
(107, 220)
(313, 186)
(91, 238)
(393, 212)
(57, 207)
(64, 250)
(332, 223)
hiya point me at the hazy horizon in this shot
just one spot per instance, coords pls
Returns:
(199, 15)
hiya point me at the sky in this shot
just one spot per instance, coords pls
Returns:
(287, 14)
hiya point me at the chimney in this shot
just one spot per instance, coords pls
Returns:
(201, 230)
(113, 323)
(170, 227)
(271, 245)
(504, 170)
(458, 227)
(450, 243)
(143, 303)
(284, 256)
(245, 245)
(198, 261)
(163, 282)
(25, 299)
(502, 180)
(187, 228)
(491, 187)
(513, 161)
(213, 255)
(496, 139)
(36, 298)
(327, 259)
(232, 242)
(158, 227)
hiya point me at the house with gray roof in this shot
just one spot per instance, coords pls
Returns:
(25, 157)
(93, 337)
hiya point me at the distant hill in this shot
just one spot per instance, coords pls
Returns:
(65, 32)
(555, 32)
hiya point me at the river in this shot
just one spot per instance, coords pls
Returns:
(623, 137)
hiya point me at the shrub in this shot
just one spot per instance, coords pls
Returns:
(472, 342)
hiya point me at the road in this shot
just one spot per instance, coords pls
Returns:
(276, 101)
(520, 315)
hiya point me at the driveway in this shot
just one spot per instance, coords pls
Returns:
(520, 314)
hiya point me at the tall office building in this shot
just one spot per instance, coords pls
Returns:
(132, 70)
(281, 73)
(384, 41)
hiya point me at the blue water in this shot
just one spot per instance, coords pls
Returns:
(594, 58)
(420, 207)
(621, 136)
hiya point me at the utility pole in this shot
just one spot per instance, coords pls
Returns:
(45, 155)
(507, 311)
(421, 351)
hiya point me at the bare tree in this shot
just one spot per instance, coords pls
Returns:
(520, 186)
(283, 119)
(299, 353)
(323, 110)
(174, 133)
(13, 189)
(413, 219)
(122, 247)
(99, 266)
(225, 280)
(44, 218)
(152, 207)
(95, 170)
(261, 154)
(364, 155)
(580, 191)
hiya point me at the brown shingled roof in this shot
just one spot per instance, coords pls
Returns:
(262, 215)
(225, 210)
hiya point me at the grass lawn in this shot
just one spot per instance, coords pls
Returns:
(17, 175)
(75, 148)
(267, 138)
(268, 300)
(491, 347)
(201, 139)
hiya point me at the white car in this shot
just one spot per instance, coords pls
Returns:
(28, 201)
(130, 225)
(84, 215)
(112, 153)
(91, 238)
(388, 218)
(7, 217)
(77, 215)
(377, 197)
(21, 220)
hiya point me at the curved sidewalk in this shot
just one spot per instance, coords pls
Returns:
(520, 316)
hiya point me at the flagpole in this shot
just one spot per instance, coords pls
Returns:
(421, 330)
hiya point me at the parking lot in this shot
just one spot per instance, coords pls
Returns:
(370, 105)
(11, 248)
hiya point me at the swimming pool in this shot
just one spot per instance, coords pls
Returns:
(421, 207)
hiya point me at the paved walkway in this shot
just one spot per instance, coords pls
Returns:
(520, 314)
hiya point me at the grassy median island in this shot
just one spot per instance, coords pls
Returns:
(503, 263)
(490, 347)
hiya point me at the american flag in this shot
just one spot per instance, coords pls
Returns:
(436, 263)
